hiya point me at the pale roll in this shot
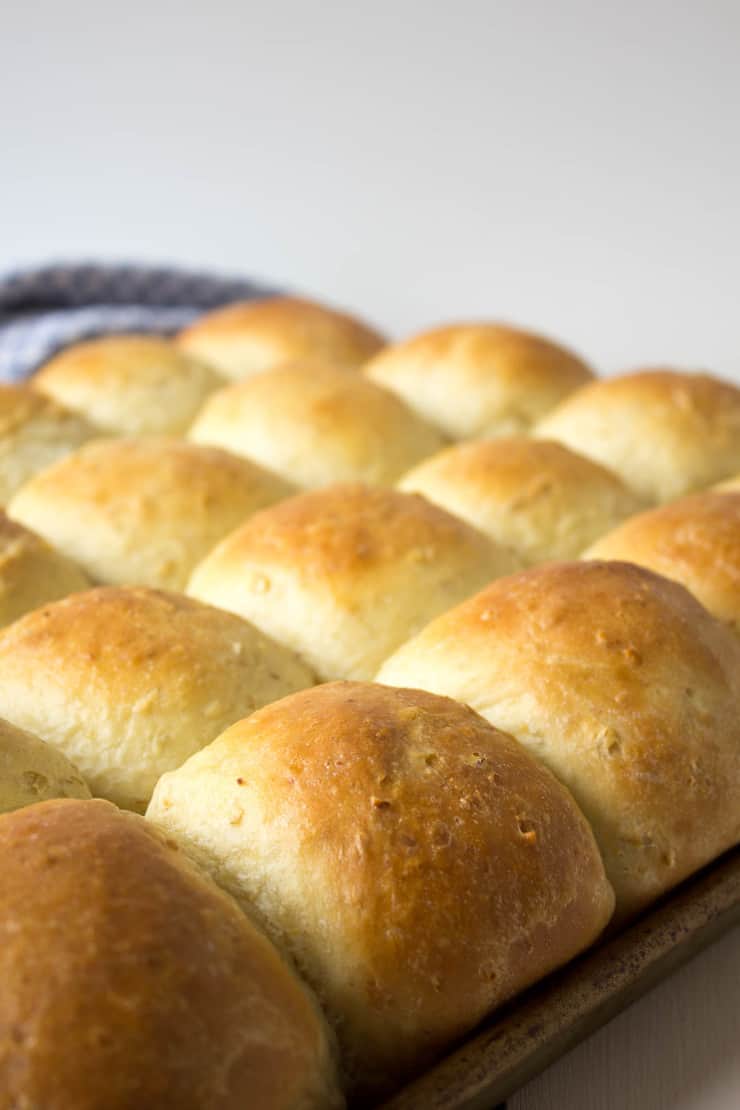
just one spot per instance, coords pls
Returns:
(666, 433)
(537, 498)
(32, 572)
(32, 771)
(479, 379)
(34, 432)
(143, 511)
(132, 384)
(314, 425)
(245, 338)
(128, 683)
(345, 574)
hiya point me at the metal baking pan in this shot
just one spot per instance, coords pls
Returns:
(533, 1030)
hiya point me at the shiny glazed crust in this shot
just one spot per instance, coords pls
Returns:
(129, 980)
(417, 865)
(624, 686)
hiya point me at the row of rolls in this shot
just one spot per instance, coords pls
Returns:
(398, 672)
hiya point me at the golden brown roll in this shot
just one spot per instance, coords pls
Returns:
(479, 379)
(314, 424)
(242, 339)
(537, 498)
(695, 541)
(665, 433)
(130, 682)
(133, 384)
(624, 686)
(34, 432)
(143, 511)
(130, 980)
(32, 572)
(345, 574)
(417, 865)
(32, 771)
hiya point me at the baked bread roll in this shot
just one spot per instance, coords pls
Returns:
(32, 771)
(242, 339)
(133, 384)
(143, 511)
(130, 980)
(624, 686)
(665, 433)
(129, 682)
(537, 498)
(479, 379)
(695, 541)
(32, 572)
(34, 432)
(314, 424)
(345, 574)
(417, 865)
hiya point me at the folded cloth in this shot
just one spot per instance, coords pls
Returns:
(45, 308)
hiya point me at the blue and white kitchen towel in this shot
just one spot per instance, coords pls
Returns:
(45, 308)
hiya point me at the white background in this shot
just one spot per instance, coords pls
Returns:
(570, 166)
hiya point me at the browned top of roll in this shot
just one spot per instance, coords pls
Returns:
(243, 338)
(130, 980)
(623, 684)
(665, 432)
(419, 865)
(479, 379)
(344, 574)
(695, 541)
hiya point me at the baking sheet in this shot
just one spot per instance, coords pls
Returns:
(535, 1029)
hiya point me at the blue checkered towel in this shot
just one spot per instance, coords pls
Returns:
(46, 308)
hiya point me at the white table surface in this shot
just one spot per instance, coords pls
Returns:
(678, 1048)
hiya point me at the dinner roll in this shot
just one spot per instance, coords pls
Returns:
(34, 432)
(134, 384)
(32, 572)
(346, 574)
(143, 511)
(479, 379)
(244, 338)
(695, 541)
(130, 980)
(417, 864)
(537, 498)
(624, 686)
(129, 682)
(314, 424)
(32, 771)
(666, 433)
